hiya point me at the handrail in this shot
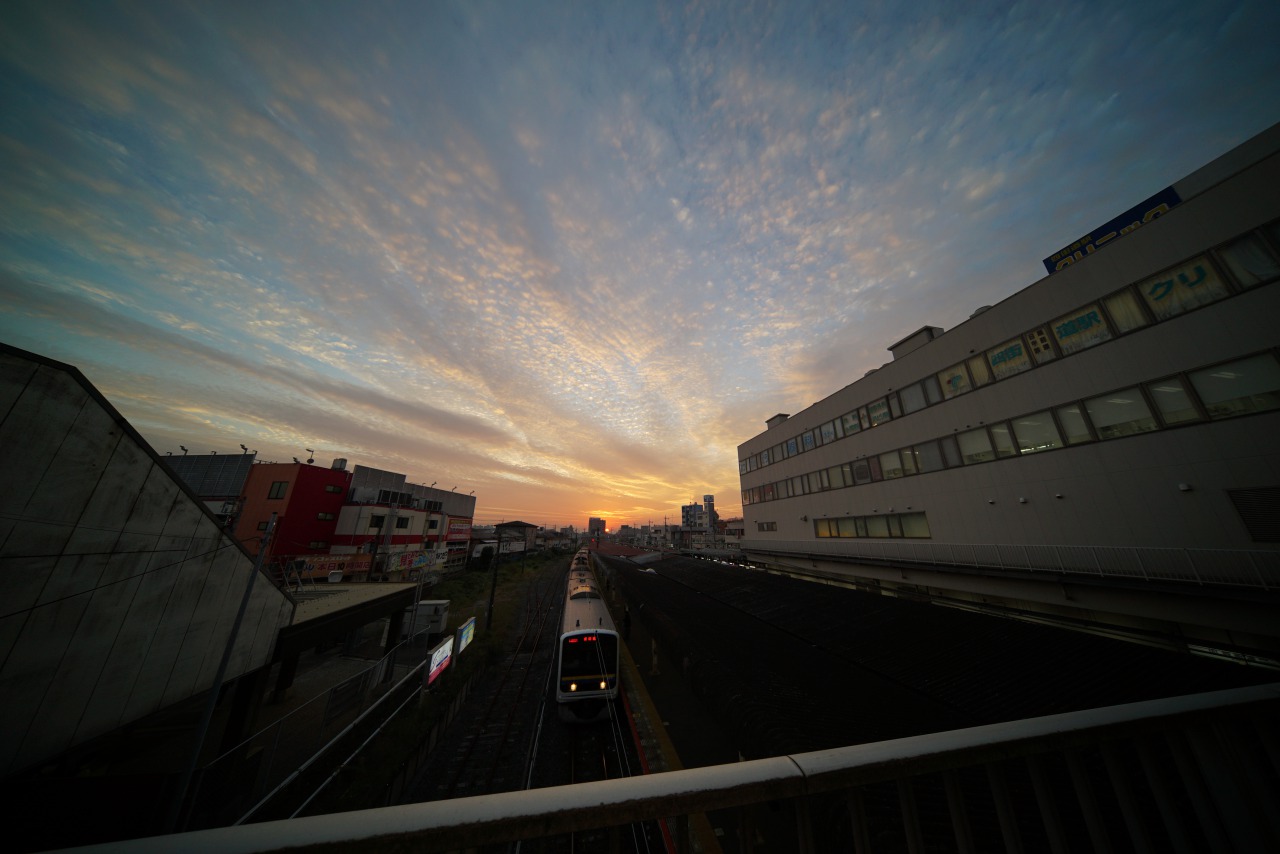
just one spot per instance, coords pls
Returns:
(491, 819)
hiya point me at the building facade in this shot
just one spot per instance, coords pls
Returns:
(1114, 418)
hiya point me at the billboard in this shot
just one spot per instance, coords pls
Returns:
(466, 633)
(459, 530)
(440, 658)
(1137, 216)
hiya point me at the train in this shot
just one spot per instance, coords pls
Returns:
(587, 670)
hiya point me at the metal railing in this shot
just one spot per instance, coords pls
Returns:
(1195, 773)
(1227, 567)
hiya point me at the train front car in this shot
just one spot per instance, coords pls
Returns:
(587, 682)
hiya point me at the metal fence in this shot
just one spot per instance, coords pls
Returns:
(1184, 774)
(231, 785)
(1226, 567)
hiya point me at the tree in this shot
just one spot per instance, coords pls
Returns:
(486, 556)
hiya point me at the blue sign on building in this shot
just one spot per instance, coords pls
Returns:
(1137, 216)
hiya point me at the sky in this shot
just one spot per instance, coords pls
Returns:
(565, 255)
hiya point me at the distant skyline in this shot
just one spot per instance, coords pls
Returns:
(568, 256)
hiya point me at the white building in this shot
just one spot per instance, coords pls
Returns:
(1098, 447)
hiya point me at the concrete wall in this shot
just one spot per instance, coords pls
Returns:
(118, 590)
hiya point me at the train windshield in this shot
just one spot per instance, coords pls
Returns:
(588, 655)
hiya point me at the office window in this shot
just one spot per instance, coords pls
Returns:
(954, 381)
(402, 522)
(792, 448)
(849, 422)
(975, 446)
(877, 526)
(847, 527)
(914, 525)
(1249, 261)
(1079, 330)
(262, 526)
(932, 390)
(1036, 433)
(891, 465)
(768, 492)
(1009, 358)
(1183, 288)
(278, 489)
(912, 398)
(1041, 349)
(317, 544)
(766, 526)
(979, 370)
(799, 485)
(928, 457)
(828, 432)
(376, 521)
(433, 524)
(822, 527)
(1125, 311)
(908, 462)
(878, 411)
(950, 451)
(777, 455)
(1238, 388)
(835, 476)
(1074, 426)
(325, 517)
(1002, 439)
(863, 418)
(764, 458)
(807, 441)
(332, 487)
(895, 408)
(1121, 413)
(861, 472)
(1173, 401)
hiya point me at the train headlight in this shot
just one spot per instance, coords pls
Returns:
(603, 684)
(573, 686)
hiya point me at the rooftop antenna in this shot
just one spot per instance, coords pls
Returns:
(311, 456)
(244, 448)
(184, 449)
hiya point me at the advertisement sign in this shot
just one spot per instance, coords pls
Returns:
(1137, 216)
(466, 633)
(440, 658)
(320, 566)
(459, 530)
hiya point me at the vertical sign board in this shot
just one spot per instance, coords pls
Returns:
(440, 658)
(466, 633)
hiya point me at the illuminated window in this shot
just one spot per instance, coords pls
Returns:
(1041, 349)
(1125, 311)
(954, 381)
(1173, 401)
(1183, 288)
(1250, 262)
(1238, 388)
(1036, 433)
(1121, 413)
(1079, 330)
(975, 446)
(1074, 426)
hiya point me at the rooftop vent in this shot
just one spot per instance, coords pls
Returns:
(339, 464)
(777, 419)
(979, 310)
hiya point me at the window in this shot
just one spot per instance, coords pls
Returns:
(895, 408)
(1080, 330)
(847, 528)
(1041, 349)
(402, 522)
(332, 487)
(1183, 288)
(317, 544)
(908, 462)
(828, 432)
(262, 526)
(861, 472)
(1238, 388)
(932, 390)
(764, 458)
(877, 526)
(950, 451)
(806, 439)
(1125, 311)
(433, 524)
(878, 411)
(376, 521)
(912, 398)
(850, 423)
(862, 417)
(1122, 413)
(1036, 433)
(954, 381)
(1008, 359)
(891, 465)
(928, 457)
(1074, 426)
(975, 446)
(835, 476)
(766, 526)
(822, 527)
(979, 370)
(792, 448)
(325, 517)
(1003, 441)
(1172, 400)
(1249, 261)
(914, 525)
(278, 489)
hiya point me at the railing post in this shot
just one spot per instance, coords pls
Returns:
(1093, 822)
(960, 825)
(1004, 809)
(910, 816)
(857, 822)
